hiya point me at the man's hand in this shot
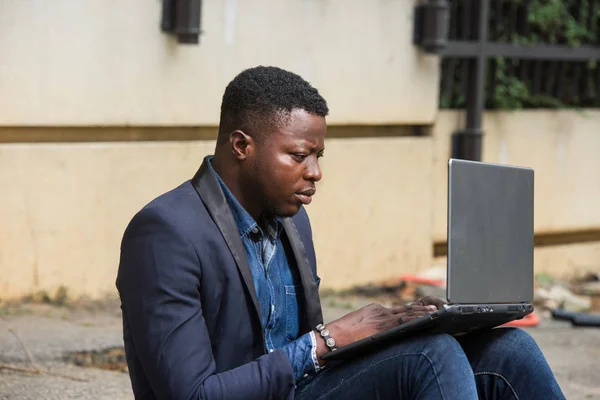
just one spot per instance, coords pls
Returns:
(430, 301)
(373, 319)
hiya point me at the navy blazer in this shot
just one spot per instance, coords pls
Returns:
(191, 322)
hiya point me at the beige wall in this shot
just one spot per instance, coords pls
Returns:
(64, 208)
(105, 62)
(369, 216)
(378, 211)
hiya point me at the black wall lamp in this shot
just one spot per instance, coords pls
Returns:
(182, 19)
(432, 21)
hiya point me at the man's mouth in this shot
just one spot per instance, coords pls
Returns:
(306, 196)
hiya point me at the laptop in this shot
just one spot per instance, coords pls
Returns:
(490, 256)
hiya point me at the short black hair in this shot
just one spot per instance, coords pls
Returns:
(258, 100)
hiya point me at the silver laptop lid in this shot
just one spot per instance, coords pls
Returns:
(490, 233)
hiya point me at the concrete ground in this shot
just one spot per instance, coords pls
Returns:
(51, 333)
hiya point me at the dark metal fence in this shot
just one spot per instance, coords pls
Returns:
(526, 63)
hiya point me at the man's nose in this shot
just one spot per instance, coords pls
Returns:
(313, 171)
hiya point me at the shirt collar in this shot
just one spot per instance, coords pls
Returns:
(243, 219)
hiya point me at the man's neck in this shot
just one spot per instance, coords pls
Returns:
(229, 176)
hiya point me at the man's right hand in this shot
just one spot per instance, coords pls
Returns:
(368, 321)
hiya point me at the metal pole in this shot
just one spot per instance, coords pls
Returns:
(476, 97)
(467, 144)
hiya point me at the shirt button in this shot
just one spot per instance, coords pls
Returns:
(255, 230)
(306, 375)
(270, 351)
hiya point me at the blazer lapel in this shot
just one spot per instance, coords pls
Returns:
(312, 304)
(210, 192)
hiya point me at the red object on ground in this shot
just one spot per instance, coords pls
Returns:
(528, 321)
(423, 281)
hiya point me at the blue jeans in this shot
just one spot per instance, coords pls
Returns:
(502, 363)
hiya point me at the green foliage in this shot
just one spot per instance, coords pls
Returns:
(553, 17)
(510, 91)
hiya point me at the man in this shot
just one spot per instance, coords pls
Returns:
(219, 288)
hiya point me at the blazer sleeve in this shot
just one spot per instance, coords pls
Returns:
(158, 282)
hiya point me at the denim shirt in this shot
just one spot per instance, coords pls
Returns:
(276, 285)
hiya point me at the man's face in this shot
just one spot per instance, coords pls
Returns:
(284, 166)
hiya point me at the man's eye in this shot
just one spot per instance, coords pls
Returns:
(300, 157)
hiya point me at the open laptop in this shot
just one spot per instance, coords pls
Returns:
(490, 255)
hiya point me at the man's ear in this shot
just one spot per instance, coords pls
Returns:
(241, 144)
